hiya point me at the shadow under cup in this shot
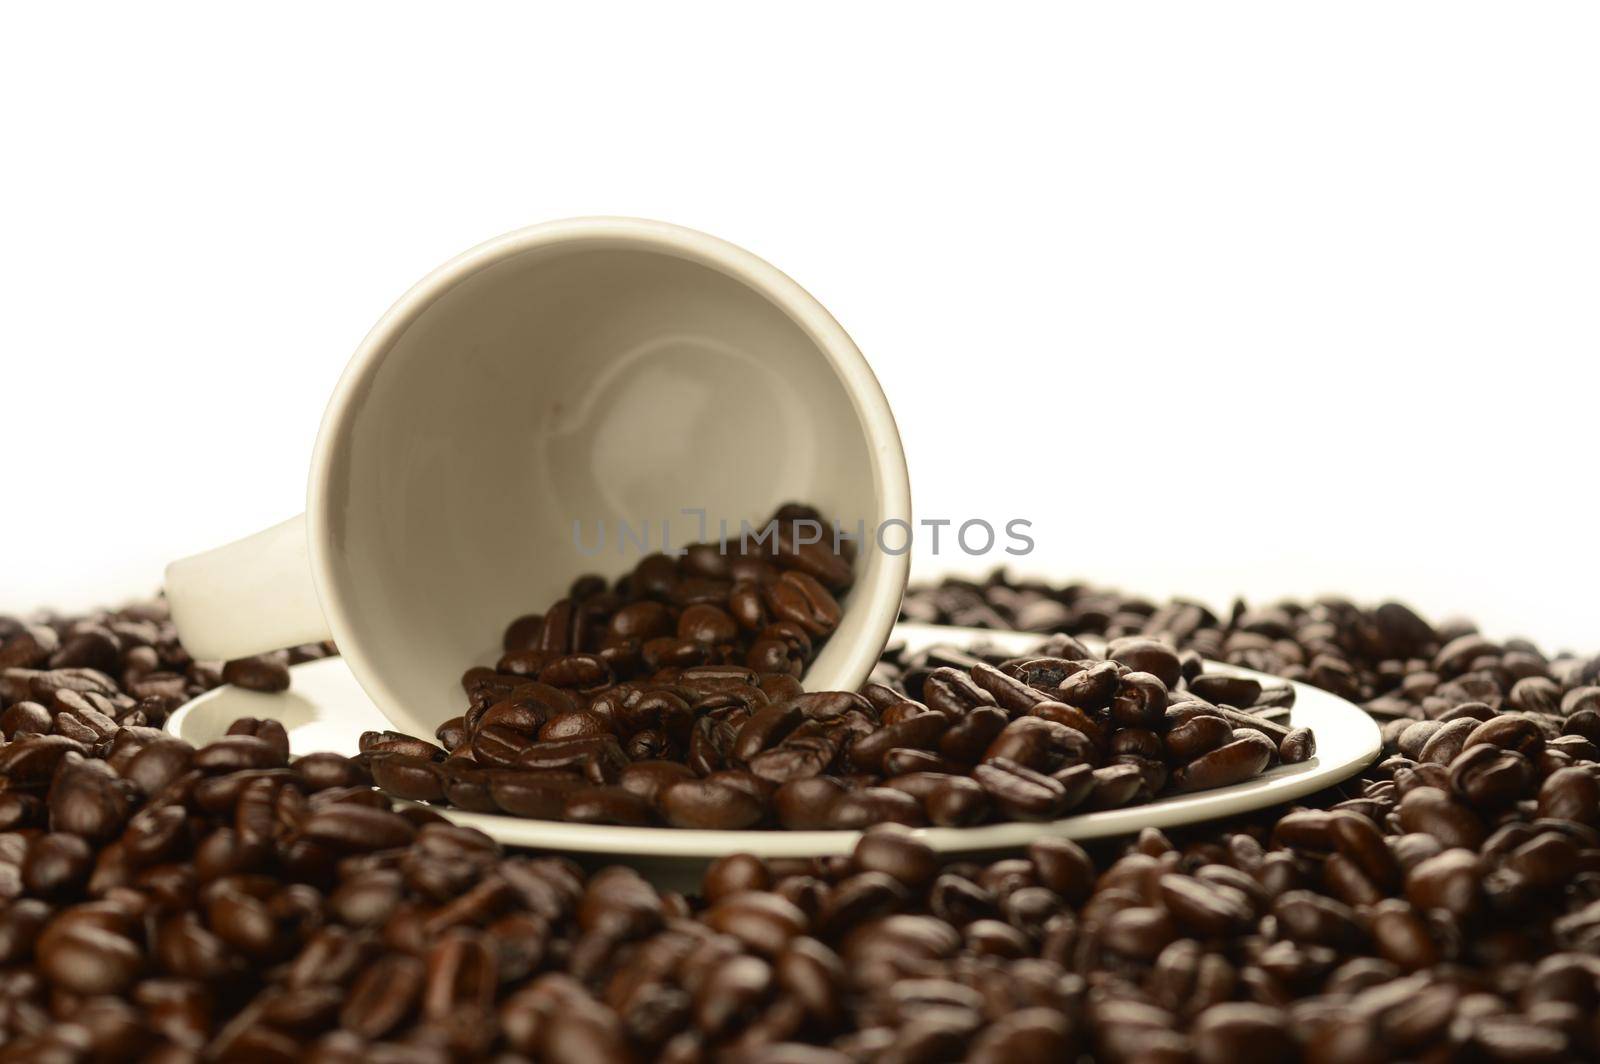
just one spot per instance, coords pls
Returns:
(568, 408)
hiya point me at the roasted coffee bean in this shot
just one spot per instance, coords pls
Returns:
(538, 794)
(709, 805)
(264, 673)
(1020, 792)
(1488, 777)
(82, 958)
(1298, 746)
(875, 805)
(30, 761)
(25, 718)
(1571, 794)
(798, 597)
(1008, 692)
(408, 777)
(1433, 812)
(895, 853)
(1090, 689)
(1140, 701)
(347, 827)
(607, 805)
(959, 802)
(1245, 756)
(954, 693)
(1150, 657)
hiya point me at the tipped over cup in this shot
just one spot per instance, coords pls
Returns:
(551, 403)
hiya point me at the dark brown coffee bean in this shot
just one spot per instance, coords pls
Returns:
(805, 804)
(1091, 689)
(766, 728)
(920, 732)
(357, 828)
(1007, 692)
(1196, 735)
(1139, 932)
(896, 853)
(233, 753)
(25, 718)
(1298, 746)
(29, 762)
(1020, 792)
(538, 794)
(1509, 732)
(1241, 691)
(384, 996)
(1244, 757)
(875, 805)
(583, 672)
(954, 693)
(607, 805)
(1235, 1031)
(263, 673)
(709, 805)
(1433, 812)
(707, 624)
(1571, 794)
(960, 802)
(81, 958)
(566, 726)
(1148, 656)
(28, 646)
(1140, 701)
(57, 865)
(798, 597)
(1488, 777)
(1205, 909)
(1451, 881)
(412, 778)
(764, 922)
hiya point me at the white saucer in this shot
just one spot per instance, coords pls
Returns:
(325, 709)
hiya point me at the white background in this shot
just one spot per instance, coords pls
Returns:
(1223, 297)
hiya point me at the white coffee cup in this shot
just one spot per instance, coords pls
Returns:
(547, 385)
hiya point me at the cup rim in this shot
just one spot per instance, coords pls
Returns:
(891, 477)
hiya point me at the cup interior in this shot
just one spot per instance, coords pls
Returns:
(562, 402)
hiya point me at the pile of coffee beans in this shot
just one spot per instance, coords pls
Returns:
(1031, 738)
(597, 713)
(171, 904)
(84, 677)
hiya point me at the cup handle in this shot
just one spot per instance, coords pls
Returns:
(248, 597)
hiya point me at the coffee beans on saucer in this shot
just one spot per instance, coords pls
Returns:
(673, 699)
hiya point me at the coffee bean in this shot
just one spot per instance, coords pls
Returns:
(799, 598)
(704, 804)
(894, 852)
(1236, 1031)
(1020, 792)
(875, 805)
(1571, 794)
(263, 673)
(57, 865)
(607, 805)
(81, 958)
(1244, 757)
(357, 828)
